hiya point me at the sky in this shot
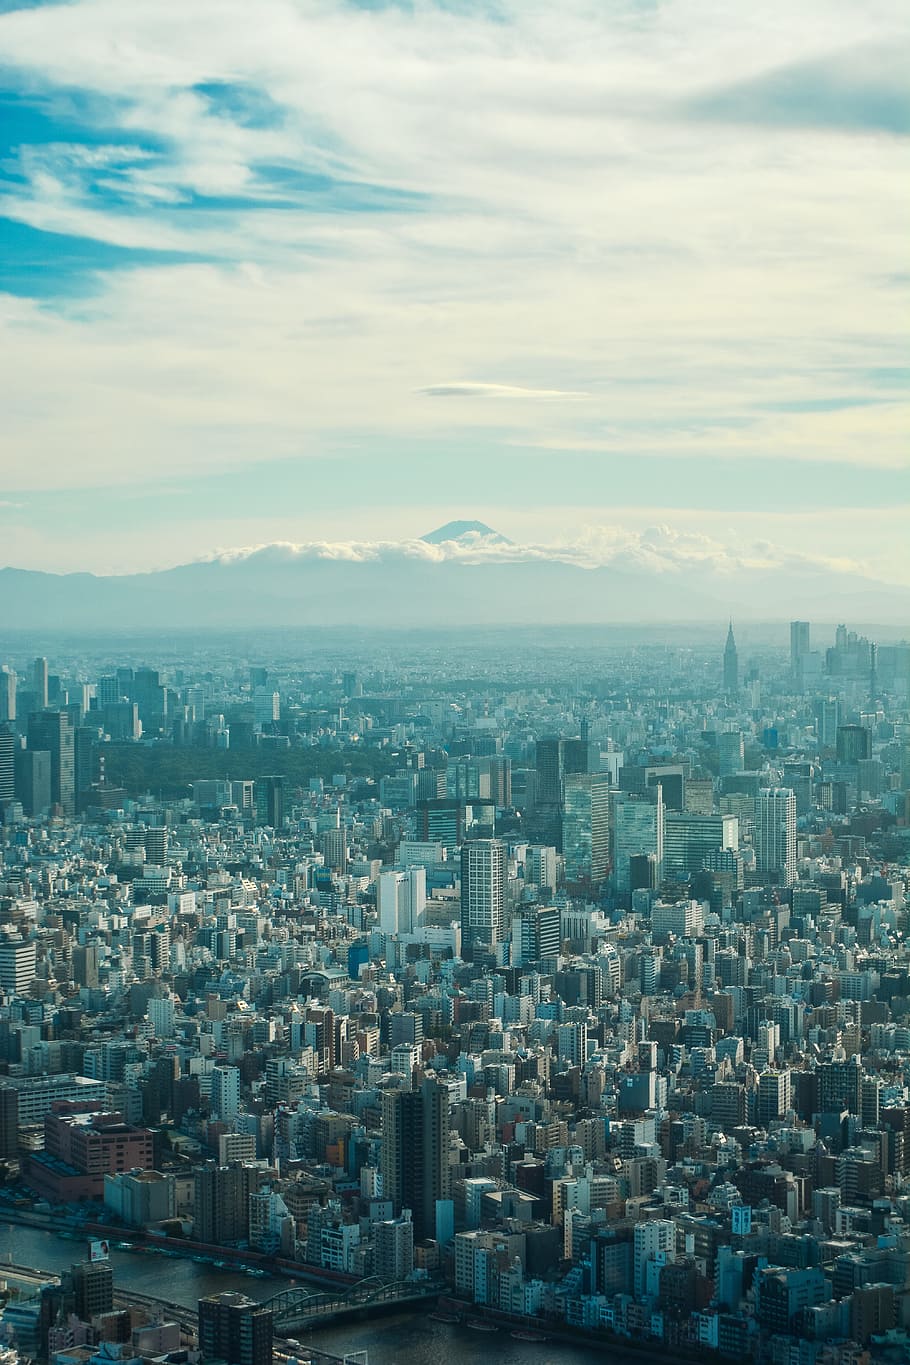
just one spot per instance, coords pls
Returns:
(593, 273)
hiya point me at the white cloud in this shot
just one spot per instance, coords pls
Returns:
(576, 235)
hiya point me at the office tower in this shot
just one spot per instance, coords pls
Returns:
(9, 1121)
(550, 764)
(268, 800)
(773, 1096)
(259, 678)
(638, 828)
(150, 695)
(235, 1329)
(731, 664)
(799, 645)
(827, 718)
(86, 962)
(221, 1205)
(333, 845)
(226, 1092)
(17, 963)
(854, 743)
(52, 731)
(689, 839)
(93, 1284)
(39, 683)
(415, 1152)
(536, 933)
(500, 781)
(7, 765)
(393, 1249)
(483, 894)
(402, 898)
(586, 827)
(775, 834)
(266, 707)
(32, 774)
(730, 752)
(580, 756)
(7, 694)
(540, 867)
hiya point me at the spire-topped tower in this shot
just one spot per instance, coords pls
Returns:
(731, 664)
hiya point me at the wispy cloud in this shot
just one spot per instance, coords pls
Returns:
(476, 390)
(233, 242)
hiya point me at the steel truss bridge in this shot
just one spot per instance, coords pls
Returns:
(295, 1310)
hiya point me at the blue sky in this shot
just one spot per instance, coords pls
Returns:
(352, 270)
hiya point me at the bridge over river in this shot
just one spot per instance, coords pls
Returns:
(298, 1310)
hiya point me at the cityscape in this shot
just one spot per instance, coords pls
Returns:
(454, 682)
(561, 994)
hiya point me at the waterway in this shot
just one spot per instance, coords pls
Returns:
(399, 1339)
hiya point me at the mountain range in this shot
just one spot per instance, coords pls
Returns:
(462, 574)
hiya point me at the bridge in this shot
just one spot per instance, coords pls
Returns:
(296, 1310)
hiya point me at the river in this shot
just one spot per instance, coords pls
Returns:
(399, 1339)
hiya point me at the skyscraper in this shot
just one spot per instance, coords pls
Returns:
(799, 644)
(775, 834)
(415, 1152)
(7, 694)
(550, 762)
(731, 664)
(586, 827)
(483, 894)
(638, 828)
(402, 898)
(51, 730)
(235, 1329)
(39, 682)
(7, 769)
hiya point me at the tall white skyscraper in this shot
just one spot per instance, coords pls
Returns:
(775, 834)
(483, 893)
(402, 900)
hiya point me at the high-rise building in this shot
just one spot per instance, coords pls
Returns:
(731, 664)
(235, 1329)
(7, 694)
(268, 801)
(730, 752)
(9, 1121)
(32, 768)
(415, 1152)
(52, 731)
(402, 898)
(7, 765)
(638, 828)
(586, 827)
(799, 645)
(550, 763)
(854, 743)
(93, 1283)
(775, 834)
(40, 683)
(17, 963)
(222, 1197)
(483, 894)
(688, 839)
(773, 1095)
(827, 719)
(226, 1091)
